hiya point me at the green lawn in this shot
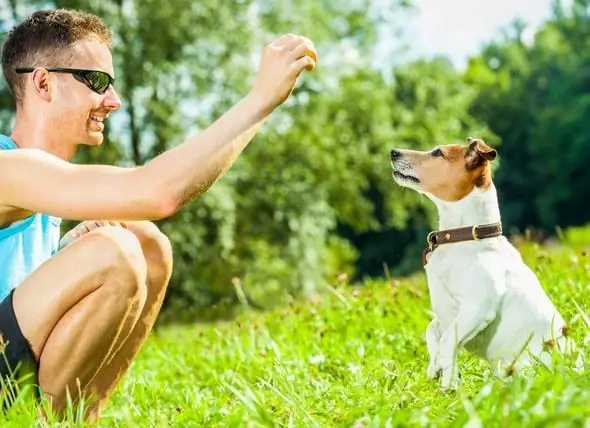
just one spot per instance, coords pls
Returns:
(354, 357)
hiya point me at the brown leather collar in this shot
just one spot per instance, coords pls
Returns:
(468, 233)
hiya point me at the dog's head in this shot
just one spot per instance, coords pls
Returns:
(448, 172)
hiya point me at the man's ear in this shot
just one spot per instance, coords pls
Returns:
(41, 85)
(478, 152)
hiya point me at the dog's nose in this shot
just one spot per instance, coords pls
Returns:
(395, 154)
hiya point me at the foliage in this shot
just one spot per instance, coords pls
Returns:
(311, 199)
(271, 234)
(534, 96)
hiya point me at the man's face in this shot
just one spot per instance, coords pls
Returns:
(76, 110)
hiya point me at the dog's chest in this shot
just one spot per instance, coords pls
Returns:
(443, 304)
(444, 278)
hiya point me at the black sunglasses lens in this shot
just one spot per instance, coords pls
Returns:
(98, 81)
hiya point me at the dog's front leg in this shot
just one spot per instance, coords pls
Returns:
(470, 321)
(432, 344)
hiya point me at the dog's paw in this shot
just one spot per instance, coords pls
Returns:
(434, 370)
(450, 379)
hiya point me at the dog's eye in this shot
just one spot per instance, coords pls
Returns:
(438, 153)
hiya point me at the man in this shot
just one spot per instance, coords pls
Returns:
(80, 312)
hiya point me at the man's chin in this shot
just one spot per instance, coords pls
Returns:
(94, 139)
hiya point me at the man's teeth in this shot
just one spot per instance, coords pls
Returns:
(98, 119)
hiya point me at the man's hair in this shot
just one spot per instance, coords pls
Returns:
(43, 40)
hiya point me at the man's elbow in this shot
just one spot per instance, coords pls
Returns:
(165, 200)
(157, 204)
(171, 201)
(163, 206)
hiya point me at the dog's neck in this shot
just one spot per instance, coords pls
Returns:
(479, 207)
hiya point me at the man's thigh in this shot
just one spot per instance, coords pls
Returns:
(69, 276)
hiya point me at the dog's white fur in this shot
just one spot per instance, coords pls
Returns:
(484, 297)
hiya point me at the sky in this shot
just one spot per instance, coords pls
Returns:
(459, 28)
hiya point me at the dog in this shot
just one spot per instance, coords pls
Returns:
(485, 299)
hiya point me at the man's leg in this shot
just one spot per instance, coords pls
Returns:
(76, 306)
(158, 254)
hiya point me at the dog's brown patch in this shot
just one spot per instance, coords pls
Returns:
(454, 175)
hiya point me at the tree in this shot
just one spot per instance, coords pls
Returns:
(176, 72)
(312, 197)
(534, 97)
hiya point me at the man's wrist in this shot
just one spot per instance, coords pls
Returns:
(258, 104)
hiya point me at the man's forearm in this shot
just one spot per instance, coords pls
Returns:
(188, 170)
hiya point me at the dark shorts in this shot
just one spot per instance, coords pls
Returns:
(18, 365)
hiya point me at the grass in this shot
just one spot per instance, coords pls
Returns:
(353, 357)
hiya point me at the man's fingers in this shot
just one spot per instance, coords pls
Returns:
(103, 223)
(85, 227)
(89, 225)
(304, 49)
(295, 45)
(305, 62)
(302, 40)
(299, 46)
(285, 40)
(292, 44)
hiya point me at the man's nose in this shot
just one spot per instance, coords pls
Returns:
(395, 154)
(112, 100)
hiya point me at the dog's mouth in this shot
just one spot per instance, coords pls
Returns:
(407, 178)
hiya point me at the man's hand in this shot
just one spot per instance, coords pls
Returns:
(85, 227)
(282, 62)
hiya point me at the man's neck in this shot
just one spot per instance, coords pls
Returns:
(29, 134)
(479, 207)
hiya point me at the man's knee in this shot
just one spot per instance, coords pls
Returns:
(122, 257)
(156, 247)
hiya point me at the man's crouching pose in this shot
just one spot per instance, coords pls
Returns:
(77, 311)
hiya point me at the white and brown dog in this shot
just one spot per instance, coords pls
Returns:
(484, 297)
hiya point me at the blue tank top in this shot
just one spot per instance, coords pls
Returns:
(26, 244)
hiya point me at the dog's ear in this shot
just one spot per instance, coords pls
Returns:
(478, 152)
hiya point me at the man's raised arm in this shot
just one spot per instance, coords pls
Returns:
(36, 181)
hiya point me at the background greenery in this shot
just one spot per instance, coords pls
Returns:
(311, 200)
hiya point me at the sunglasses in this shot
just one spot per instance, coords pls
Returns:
(98, 81)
